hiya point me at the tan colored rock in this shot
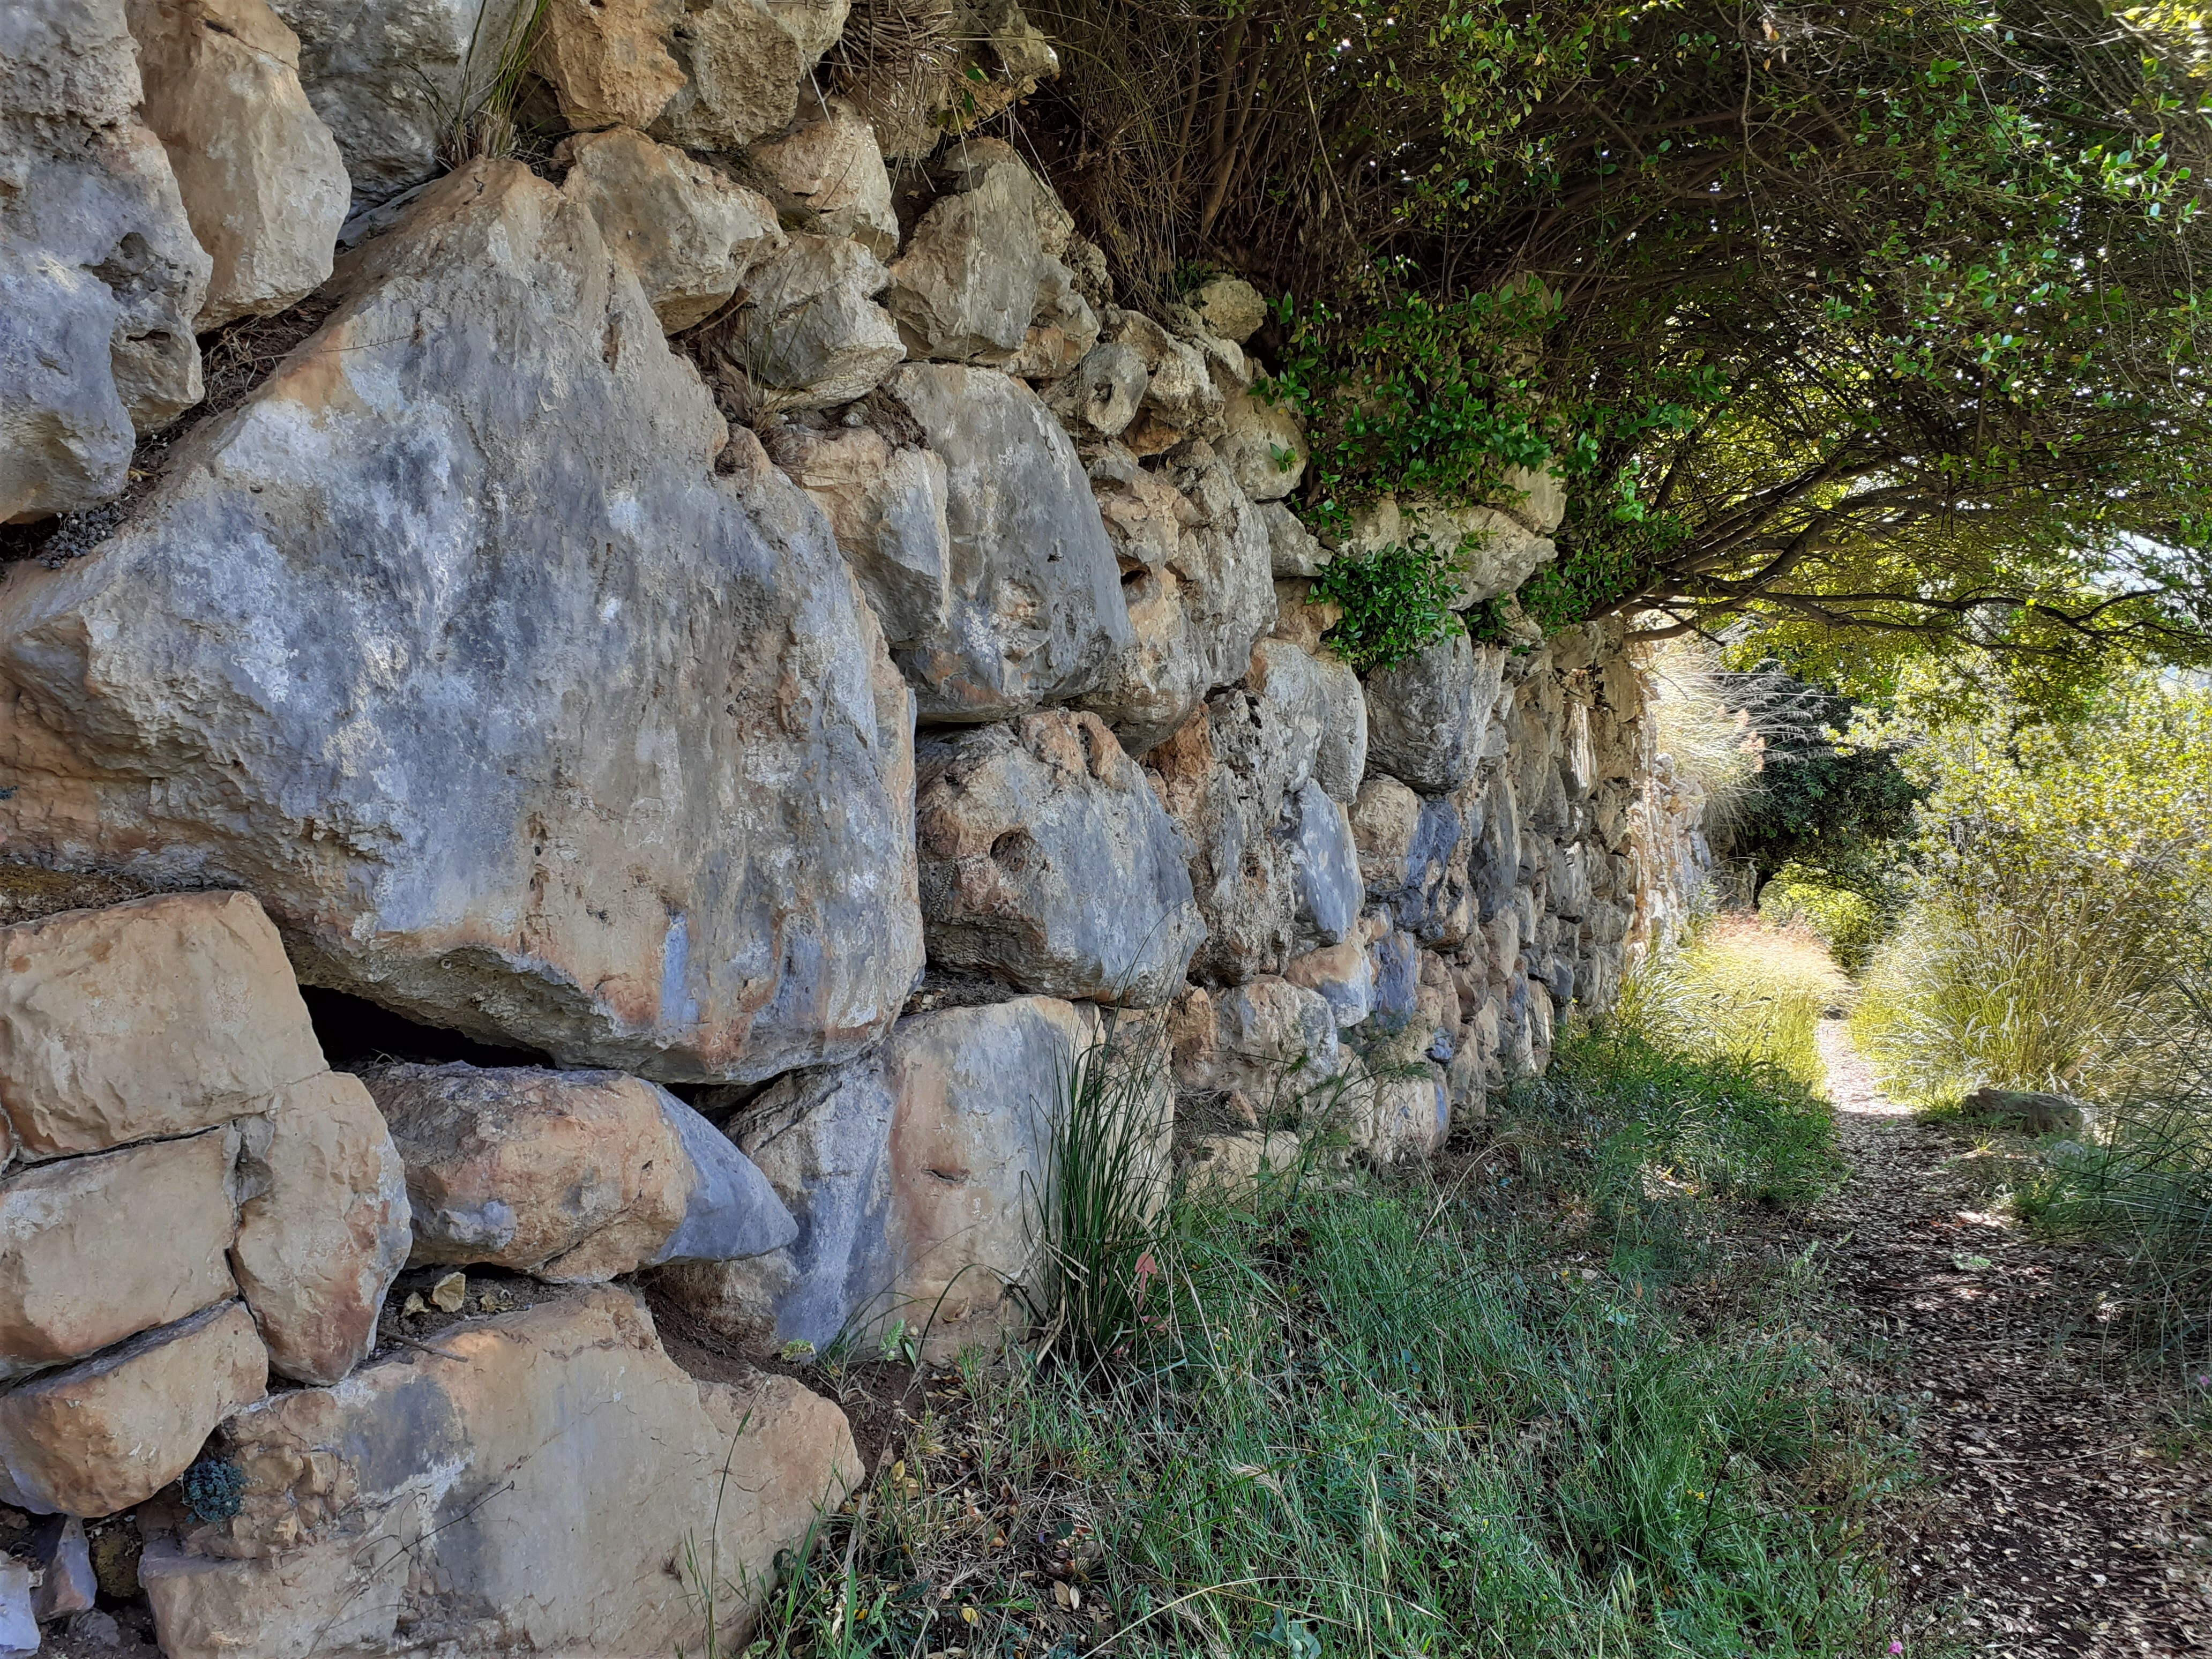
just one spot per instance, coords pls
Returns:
(814, 24)
(966, 288)
(1404, 1117)
(689, 233)
(1273, 1039)
(154, 1018)
(572, 1176)
(113, 1431)
(322, 1227)
(262, 180)
(1230, 308)
(1229, 1167)
(833, 169)
(444, 1494)
(742, 69)
(77, 1272)
(607, 61)
(888, 507)
(1263, 443)
(1342, 974)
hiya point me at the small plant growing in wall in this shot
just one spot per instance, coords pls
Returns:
(213, 1489)
(1397, 601)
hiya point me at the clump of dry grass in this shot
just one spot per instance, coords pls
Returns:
(1741, 990)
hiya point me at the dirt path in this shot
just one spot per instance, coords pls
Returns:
(2058, 1526)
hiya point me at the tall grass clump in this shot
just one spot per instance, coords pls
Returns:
(2059, 882)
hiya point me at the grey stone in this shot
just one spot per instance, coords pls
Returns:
(815, 25)
(966, 287)
(887, 506)
(59, 1546)
(100, 276)
(1293, 548)
(742, 69)
(1047, 861)
(1340, 759)
(1426, 718)
(1275, 1039)
(833, 171)
(1397, 961)
(2028, 1111)
(1037, 606)
(389, 76)
(1324, 867)
(1100, 397)
(811, 337)
(1263, 442)
(1343, 974)
(911, 1172)
(518, 717)
(1197, 587)
(19, 1623)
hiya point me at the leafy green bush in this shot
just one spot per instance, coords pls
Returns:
(1847, 921)
(1397, 602)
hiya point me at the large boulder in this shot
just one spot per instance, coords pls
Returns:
(1426, 717)
(689, 233)
(111, 1431)
(323, 1225)
(742, 72)
(153, 1018)
(77, 1272)
(100, 276)
(887, 505)
(1037, 604)
(547, 1479)
(911, 1173)
(261, 176)
(1047, 861)
(1198, 587)
(573, 1176)
(392, 77)
(832, 173)
(451, 646)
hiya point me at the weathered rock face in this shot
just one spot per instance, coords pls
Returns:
(323, 1225)
(887, 507)
(1047, 861)
(415, 1502)
(100, 277)
(157, 1017)
(388, 75)
(1037, 605)
(570, 742)
(811, 337)
(814, 24)
(608, 61)
(1100, 397)
(832, 171)
(909, 1172)
(573, 1176)
(77, 1272)
(966, 287)
(262, 181)
(115, 1429)
(689, 233)
(1426, 717)
(1272, 1036)
(1198, 589)
(741, 68)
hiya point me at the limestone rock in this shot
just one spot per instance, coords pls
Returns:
(59, 1546)
(1324, 866)
(811, 337)
(1404, 1117)
(387, 76)
(1342, 974)
(77, 1272)
(833, 170)
(911, 1170)
(2027, 1111)
(1047, 861)
(607, 61)
(1230, 308)
(1036, 609)
(742, 69)
(1293, 548)
(261, 176)
(570, 743)
(1230, 1166)
(1427, 716)
(100, 277)
(573, 1176)
(1197, 590)
(689, 233)
(1273, 1039)
(966, 287)
(19, 1620)
(1100, 397)
(323, 1225)
(156, 1018)
(441, 1495)
(1340, 760)
(814, 24)
(1181, 399)
(887, 507)
(113, 1430)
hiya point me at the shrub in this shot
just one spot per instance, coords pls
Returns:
(1397, 602)
(1846, 921)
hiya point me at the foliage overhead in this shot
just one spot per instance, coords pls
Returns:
(1871, 316)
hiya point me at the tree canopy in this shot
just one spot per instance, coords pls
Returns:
(1878, 317)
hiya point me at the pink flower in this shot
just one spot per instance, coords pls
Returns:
(1896, 1646)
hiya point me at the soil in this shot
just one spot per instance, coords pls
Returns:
(2068, 1516)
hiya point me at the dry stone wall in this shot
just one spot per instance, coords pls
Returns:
(792, 662)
